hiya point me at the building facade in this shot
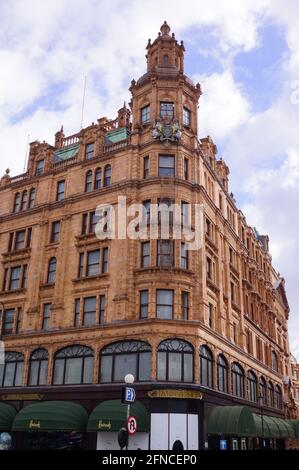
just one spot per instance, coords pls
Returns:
(198, 329)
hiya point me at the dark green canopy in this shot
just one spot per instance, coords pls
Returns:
(7, 414)
(269, 426)
(231, 420)
(295, 425)
(111, 415)
(51, 416)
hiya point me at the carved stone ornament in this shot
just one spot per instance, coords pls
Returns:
(167, 131)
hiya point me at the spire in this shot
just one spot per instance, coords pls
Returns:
(165, 29)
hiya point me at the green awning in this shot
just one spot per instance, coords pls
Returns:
(295, 425)
(231, 420)
(51, 416)
(7, 414)
(65, 153)
(285, 429)
(111, 415)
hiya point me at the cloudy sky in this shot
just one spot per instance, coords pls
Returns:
(244, 53)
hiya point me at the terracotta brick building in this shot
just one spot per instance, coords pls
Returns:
(198, 329)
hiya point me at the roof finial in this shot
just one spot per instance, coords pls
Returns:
(165, 29)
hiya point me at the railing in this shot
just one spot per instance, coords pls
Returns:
(117, 146)
(63, 163)
(17, 178)
(70, 140)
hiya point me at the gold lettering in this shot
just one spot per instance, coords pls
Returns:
(182, 394)
(103, 425)
(34, 424)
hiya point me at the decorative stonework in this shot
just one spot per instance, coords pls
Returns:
(167, 131)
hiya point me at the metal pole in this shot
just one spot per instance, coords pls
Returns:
(128, 415)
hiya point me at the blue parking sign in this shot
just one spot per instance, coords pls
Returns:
(128, 394)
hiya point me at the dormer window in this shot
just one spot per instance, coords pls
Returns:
(166, 110)
(39, 168)
(89, 151)
(145, 114)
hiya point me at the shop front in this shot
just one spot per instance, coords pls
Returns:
(7, 414)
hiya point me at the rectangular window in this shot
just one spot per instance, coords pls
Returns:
(165, 253)
(208, 228)
(24, 276)
(184, 256)
(166, 165)
(15, 274)
(185, 213)
(19, 320)
(81, 265)
(105, 260)
(185, 305)
(60, 190)
(165, 212)
(145, 114)
(77, 313)
(164, 304)
(209, 268)
(186, 168)
(93, 263)
(89, 151)
(46, 317)
(39, 168)
(93, 222)
(55, 232)
(211, 319)
(233, 291)
(144, 304)
(146, 167)
(89, 311)
(8, 321)
(166, 110)
(186, 117)
(31, 198)
(145, 254)
(146, 212)
(20, 239)
(102, 309)
(235, 333)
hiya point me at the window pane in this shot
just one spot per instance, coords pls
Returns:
(43, 374)
(58, 371)
(161, 366)
(175, 367)
(166, 165)
(19, 374)
(33, 373)
(145, 366)
(164, 312)
(124, 364)
(165, 297)
(188, 368)
(73, 370)
(88, 370)
(106, 369)
(93, 259)
(9, 375)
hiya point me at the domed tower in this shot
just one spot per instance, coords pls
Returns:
(164, 93)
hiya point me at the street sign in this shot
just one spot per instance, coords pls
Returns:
(128, 395)
(132, 425)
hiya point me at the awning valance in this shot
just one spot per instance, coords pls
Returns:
(111, 416)
(51, 416)
(7, 414)
(231, 420)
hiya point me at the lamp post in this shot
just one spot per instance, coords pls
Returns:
(129, 380)
(261, 398)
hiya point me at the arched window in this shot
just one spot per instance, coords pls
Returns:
(51, 271)
(237, 380)
(11, 372)
(24, 201)
(252, 386)
(175, 361)
(206, 367)
(262, 391)
(16, 205)
(38, 368)
(222, 373)
(88, 181)
(278, 397)
(98, 178)
(107, 175)
(125, 357)
(274, 361)
(73, 365)
(271, 394)
(165, 59)
(31, 198)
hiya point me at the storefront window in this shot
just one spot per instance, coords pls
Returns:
(237, 380)
(11, 372)
(38, 369)
(222, 370)
(73, 365)
(175, 361)
(206, 367)
(125, 357)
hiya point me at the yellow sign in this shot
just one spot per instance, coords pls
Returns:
(34, 424)
(170, 393)
(103, 425)
(22, 397)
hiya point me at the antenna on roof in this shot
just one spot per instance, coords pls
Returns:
(83, 102)
(26, 153)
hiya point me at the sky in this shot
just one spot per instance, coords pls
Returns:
(244, 53)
